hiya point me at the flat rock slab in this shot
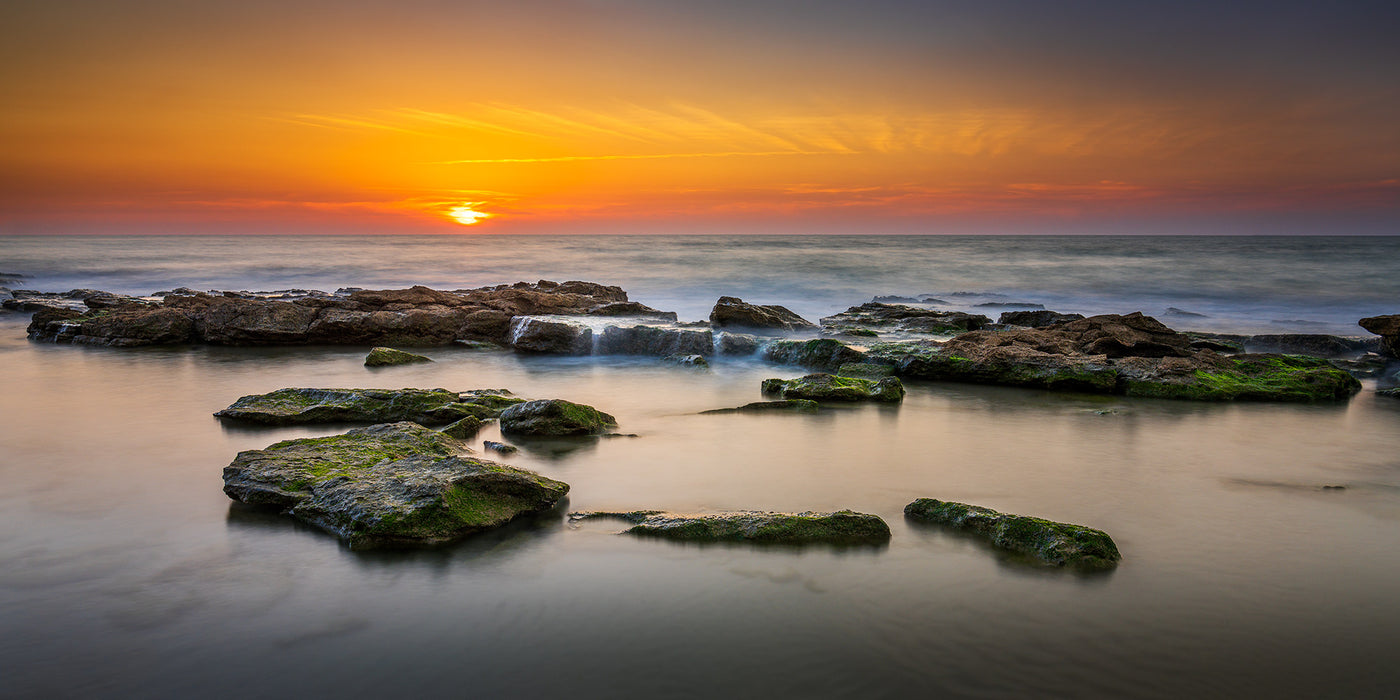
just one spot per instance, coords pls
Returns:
(388, 484)
(840, 527)
(383, 357)
(1056, 544)
(829, 387)
(780, 406)
(294, 406)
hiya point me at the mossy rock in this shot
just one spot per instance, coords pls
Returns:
(555, 417)
(865, 370)
(822, 353)
(296, 406)
(388, 484)
(383, 357)
(1256, 378)
(1050, 542)
(840, 527)
(829, 387)
(465, 428)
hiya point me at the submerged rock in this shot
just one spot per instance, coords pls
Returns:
(896, 317)
(295, 406)
(822, 353)
(785, 406)
(827, 387)
(693, 361)
(1057, 544)
(555, 417)
(734, 312)
(395, 483)
(382, 357)
(840, 527)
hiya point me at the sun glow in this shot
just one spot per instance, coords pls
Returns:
(465, 215)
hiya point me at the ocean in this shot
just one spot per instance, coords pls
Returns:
(126, 572)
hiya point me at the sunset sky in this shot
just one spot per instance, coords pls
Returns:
(724, 116)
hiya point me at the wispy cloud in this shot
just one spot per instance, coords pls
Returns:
(645, 156)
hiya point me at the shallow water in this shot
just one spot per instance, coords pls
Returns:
(1244, 284)
(124, 570)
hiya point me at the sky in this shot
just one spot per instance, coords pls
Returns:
(724, 116)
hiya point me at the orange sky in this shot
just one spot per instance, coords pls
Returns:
(640, 117)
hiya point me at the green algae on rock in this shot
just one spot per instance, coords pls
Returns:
(829, 387)
(840, 527)
(383, 357)
(465, 428)
(1057, 544)
(555, 417)
(822, 353)
(781, 406)
(294, 406)
(1253, 378)
(387, 484)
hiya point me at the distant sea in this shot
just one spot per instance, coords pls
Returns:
(1252, 284)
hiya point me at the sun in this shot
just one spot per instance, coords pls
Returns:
(465, 215)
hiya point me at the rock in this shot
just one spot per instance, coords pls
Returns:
(896, 299)
(1388, 328)
(1219, 342)
(1173, 311)
(500, 447)
(465, 428)
(381, 357)
(783, 406)
(827, 387)
(1316, 345)
(693, 361)
(865, 369)
(736, 343)
(896, 317)
(531, 334)
(295, 406)
(734, 312)
(1393, 393)
(821, 353)
(655, 341)
(1010, 305)
(1036, 319)
(1095, 355)
(1057, 544)
(554, 417)
(631, 308)
(840, 527)
(1367, 366)
(389, 484)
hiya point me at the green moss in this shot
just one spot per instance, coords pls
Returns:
(1060, 544)
(1258, 378)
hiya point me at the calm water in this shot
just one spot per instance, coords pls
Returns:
(1244, 284)
(124, 570)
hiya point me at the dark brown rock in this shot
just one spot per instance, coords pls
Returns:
(730, 312)
(1388, 327)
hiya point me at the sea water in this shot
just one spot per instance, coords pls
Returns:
(125, 571)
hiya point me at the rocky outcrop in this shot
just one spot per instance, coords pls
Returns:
(827, 387)
(384, 357)
(1049, 542)
(781, 406)
(655, 341)
(296, 406)
(1388, 328)
(555, 417)
(840, 527)
(389, 484)
(1313, 344)
(555, 337)
(822, 353)
(731, 312)
(873, 316)
(417, 316)
(1133, 355)
(1036, 319)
